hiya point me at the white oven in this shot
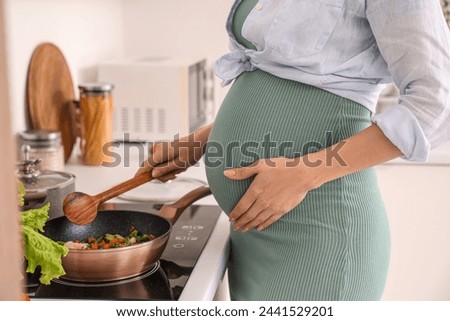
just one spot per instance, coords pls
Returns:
(157, 98)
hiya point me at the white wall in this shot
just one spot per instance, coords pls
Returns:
(178, 27)
(417, 200)
(86, 31)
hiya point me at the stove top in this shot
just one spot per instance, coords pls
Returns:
(164, 281)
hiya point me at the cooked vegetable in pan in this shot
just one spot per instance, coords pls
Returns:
(109, 241)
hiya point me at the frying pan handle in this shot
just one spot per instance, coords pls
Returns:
(173, 211)
(34, 200)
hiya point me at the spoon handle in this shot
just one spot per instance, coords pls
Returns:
(123, 187)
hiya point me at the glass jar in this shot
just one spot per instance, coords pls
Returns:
(96, 111)
(44, 145)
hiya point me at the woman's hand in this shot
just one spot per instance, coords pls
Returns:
(280, 184)
(167, 159)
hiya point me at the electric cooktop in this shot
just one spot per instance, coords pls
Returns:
(164, 281)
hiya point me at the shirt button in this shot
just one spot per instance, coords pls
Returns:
(258, 6)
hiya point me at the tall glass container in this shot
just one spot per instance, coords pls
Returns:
(96, 108)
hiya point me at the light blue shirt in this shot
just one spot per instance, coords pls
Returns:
(352, 48)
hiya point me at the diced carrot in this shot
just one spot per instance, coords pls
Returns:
(94, 246)
(106, 246)
(113, 241)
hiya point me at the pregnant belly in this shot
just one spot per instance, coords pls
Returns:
(265, 116)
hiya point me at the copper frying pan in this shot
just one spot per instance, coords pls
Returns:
(125, 262)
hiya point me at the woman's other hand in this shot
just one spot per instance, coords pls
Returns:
(167, 159)
(279, 185)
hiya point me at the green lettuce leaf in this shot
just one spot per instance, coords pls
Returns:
(40, 250)
(36, 218)
(21, 190)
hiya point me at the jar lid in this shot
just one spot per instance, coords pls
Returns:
(47, 180)
(40, 135)
(35, 180)
(98, 87)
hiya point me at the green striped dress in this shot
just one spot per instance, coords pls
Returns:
(332, 246)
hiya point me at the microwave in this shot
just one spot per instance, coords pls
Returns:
(157, 98)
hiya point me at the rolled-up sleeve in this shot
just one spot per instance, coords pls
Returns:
(414, 40)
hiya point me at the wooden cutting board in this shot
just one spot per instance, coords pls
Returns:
(50, 93)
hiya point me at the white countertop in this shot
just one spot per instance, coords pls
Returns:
(210, 268)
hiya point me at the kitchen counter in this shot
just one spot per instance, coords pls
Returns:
(209, 271)
(415, 199)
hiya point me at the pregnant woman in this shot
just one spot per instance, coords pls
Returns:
(290, 152)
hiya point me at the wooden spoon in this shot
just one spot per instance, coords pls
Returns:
(81, 208)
